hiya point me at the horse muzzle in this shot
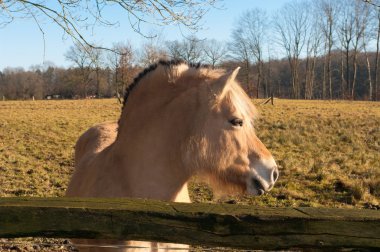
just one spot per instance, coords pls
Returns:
(262, 177)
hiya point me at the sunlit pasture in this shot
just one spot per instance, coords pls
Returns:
(328, 151)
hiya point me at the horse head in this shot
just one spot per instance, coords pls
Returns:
(224, 147)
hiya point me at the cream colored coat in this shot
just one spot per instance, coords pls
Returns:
(178, 121)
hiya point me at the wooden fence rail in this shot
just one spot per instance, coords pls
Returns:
(222, 225)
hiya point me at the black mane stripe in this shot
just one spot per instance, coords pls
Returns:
(152, 68)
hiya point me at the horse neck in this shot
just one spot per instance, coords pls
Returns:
(151, 135)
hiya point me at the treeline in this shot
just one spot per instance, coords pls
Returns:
(55, 82)
(277, 79)
(322, 49)
(17, 83)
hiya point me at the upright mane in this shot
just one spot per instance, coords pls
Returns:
(167, 64)
(153, 67)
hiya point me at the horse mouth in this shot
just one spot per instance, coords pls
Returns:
(259, 187)
(255, 187)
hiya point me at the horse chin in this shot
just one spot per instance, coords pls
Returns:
(254, 191)
(224, 186)
(227, 189)
(254, 187)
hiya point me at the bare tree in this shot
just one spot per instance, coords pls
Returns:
(376, 96)
(190, 49)
(152, 51)
(290, 24)
(79, 55)
(74, 16)
(240, 50)
(373, 32)
(254, 25)
(361, 22)
(97, 60)
(328, 10)
(120, 60)
(214, 51)
(313, 44)
(345, 31)
(376, 18)
(174, 49)
(352, 22)
(368, 64)
(113, 62)
(247, 45)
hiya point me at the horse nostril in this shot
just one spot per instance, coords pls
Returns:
(275, 174)
(258, 186)
(260, 192)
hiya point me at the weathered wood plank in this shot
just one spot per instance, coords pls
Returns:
(198, 224)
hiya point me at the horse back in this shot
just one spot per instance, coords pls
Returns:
(94, 140)
(87, 150)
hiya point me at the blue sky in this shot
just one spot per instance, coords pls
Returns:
(22, 44)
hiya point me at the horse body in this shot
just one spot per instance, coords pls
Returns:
(176, 122)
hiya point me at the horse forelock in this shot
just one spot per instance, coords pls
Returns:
(243, 102)
(238, 100)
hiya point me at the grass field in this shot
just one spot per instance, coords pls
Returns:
(328, 152)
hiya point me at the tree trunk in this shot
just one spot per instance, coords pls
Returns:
(312, 77)
(97, 82)
(307, 79)
(249, 86)
(377, 58)
(269, 88)
(348, 71)
(355, 65)
(297, 81)
(116, 82)
(329, 73)
(84, 81)
(368, 70)
(342, 80)
(324, 76)
(258, 79)
(293, 69)
(369, 78)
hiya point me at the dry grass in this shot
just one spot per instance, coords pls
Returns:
(37, 141)
(328, 152)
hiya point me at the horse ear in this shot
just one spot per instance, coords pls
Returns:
(220, 86)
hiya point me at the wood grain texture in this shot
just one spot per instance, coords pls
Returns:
(221, 225)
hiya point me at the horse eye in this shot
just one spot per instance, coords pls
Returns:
(236, 122)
